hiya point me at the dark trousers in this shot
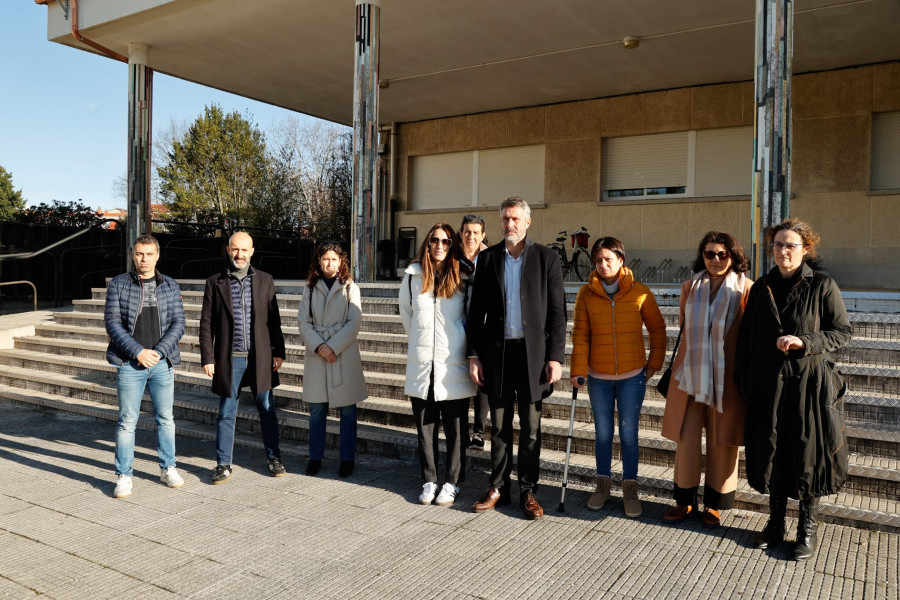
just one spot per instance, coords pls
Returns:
(428, 415)
(482, 410)
(516, 391)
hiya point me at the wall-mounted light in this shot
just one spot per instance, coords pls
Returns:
(631, 42)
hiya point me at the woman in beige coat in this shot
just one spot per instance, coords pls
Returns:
(329, 318)
(702, 393)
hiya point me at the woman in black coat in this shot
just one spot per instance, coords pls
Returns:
(795, 444)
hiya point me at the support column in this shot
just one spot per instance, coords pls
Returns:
(772, 123)
(365, 140)
(140, 104)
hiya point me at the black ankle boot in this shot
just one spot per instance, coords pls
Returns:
(313, 466)
(773, 532)
(807, 540)
(346, 468)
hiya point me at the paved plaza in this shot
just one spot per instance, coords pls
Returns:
(63, 535)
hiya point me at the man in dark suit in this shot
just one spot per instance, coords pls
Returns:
(241, 344)
(516, 336)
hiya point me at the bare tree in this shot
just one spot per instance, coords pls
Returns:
(309, 166)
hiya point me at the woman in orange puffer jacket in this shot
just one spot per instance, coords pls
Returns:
(608, 350)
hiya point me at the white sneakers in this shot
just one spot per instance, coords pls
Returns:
(428, 492)
(445, 498)
(123, 487)
(171, 478)
(447, 495)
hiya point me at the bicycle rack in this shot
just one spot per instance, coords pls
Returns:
(662, 271)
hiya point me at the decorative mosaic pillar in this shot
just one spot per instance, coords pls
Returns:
(140, 104)
(772, 123)
(365, 140)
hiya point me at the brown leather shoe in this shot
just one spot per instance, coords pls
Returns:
(677, 513)
(711, 517)
(531, 508)
(493, 497)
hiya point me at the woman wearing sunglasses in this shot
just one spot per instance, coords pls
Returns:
(433, 303)
(702, 393)
(608, 350)
(795, 319)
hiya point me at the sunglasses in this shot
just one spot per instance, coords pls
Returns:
(445, 242)
(710, 255)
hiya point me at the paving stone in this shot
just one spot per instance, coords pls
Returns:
(63, 535)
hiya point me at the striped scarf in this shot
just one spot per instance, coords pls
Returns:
(703, 370)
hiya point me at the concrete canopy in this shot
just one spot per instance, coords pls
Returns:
(442, 59)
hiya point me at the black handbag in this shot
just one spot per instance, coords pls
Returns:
(663, 384)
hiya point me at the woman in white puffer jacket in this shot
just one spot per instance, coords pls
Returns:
(433, 310)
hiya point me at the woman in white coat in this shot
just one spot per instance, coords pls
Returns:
(433, 310)
(329, 318)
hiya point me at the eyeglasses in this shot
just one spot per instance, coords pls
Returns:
(779, 246)
(710, 255)
(445, 242)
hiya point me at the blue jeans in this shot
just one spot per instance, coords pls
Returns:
(318, 415)
(605, 395)
(130, 384)
(265, 406)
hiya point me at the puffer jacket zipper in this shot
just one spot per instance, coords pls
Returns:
(140, 304)
(159, 310)
(244, 323)
(433, 332)
(615, 340)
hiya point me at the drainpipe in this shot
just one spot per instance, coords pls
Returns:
(393, 182)
(77, 34)
(392, 197)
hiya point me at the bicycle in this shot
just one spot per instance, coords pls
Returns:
(581, 262)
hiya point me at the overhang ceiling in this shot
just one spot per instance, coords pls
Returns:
(469, 56)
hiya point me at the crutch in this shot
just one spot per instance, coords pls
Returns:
(565, 481)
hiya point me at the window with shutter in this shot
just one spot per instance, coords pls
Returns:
(478, 178)
(885, 174)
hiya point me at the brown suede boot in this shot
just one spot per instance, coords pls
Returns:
(630, 499)
(601, 493)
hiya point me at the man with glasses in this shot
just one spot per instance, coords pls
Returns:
(517, 340)
(241, 344)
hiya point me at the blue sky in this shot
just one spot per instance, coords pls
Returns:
(63, 122)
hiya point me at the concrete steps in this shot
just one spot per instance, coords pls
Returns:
(63, 367)
(383, 353)
(846, 508)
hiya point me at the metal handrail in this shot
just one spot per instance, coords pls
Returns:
(56, 259)
(33, 287)
(23, 255)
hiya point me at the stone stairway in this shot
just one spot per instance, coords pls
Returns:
(63, 367)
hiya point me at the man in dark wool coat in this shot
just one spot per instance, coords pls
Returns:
(516, 333)
(241, 344)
